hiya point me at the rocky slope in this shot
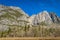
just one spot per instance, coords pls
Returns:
(14, 22)
(54, 17)
(10, 16)
(16, 16)
(44, 16)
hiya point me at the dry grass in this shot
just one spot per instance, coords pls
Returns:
(31, 38)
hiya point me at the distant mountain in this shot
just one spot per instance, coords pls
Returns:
(41, 17)
(14, 22)
(54, 17)
(44, 16)
(10, 16)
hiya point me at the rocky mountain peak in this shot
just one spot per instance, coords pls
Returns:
(15, 16)
(10, 16)
(41, 17)
(14, 22)
(46, 17)
(54, 17)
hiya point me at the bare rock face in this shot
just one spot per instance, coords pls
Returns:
(45, 17)
(15, 16)
(54, 17)
(10, 16)
(41, 17)
(31, 19)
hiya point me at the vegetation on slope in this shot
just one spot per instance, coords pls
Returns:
(35, 31)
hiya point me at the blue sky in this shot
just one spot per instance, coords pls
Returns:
(34, 6)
